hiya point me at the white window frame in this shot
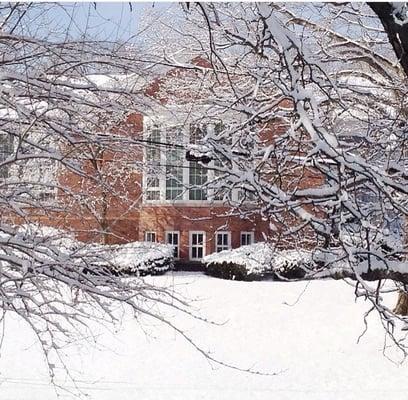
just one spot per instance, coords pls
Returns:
(190, 245)
(162, 122)
(251, 235)
(147, 233)
(222, 247)
(178, 242)
(148, 124)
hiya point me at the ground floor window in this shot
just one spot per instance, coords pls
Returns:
(197, 243)
(222, 241)
(247, 238)
(173, 238)
(150, 236)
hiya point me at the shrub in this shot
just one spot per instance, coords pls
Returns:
(258, 260)
(292, 264)
(227, 270)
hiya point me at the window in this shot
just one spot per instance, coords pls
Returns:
(197, 133)
(197, 242)
(150, 236)
(218, 191)
(173, 238)
(42, 173)
(152, 177)
(222, 241)
(246, 195)
(197, 173)
(174, 165)
(197, 179)
(36, 175)
(168, 175)
(6, 150)
(247, 238)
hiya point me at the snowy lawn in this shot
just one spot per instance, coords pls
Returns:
(312, 343)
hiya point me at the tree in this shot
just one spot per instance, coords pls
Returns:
(316, 144)
(63, 105)
(336, 174)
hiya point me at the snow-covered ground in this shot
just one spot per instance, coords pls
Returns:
(269, 326)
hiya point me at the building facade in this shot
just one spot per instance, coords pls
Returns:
(147, 186)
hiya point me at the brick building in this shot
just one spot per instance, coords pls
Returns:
(165, 198)
(151, 190)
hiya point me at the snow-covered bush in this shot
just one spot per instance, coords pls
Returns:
(244, 263)
(258, 260)
(141, 258)
(292, 264)
(45, 243)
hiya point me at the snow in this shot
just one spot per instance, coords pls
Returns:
(136, 256)
(259, 258)
(310, 337)
(142, 257)
(131, 82)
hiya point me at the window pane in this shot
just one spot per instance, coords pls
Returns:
(197, 133)
(197, 179)
(6, 150)
(246, 239)
(150, 236)
(152, 163)
(197, 245)
(153, 195)
(173, 239)
(174, 169)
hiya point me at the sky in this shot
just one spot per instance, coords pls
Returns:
(101, 20)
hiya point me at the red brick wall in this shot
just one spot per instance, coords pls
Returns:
(185, 219)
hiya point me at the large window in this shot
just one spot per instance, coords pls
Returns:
(173, 238)
(6, 150)
(168, 176)
(222, 241)
(197, 245)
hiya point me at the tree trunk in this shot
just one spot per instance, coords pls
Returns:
(396, 28)
(402, 304)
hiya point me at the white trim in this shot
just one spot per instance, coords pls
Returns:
(190, 244)
(178, 241)
(222, 247)
(251, 233)
(150, 232)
